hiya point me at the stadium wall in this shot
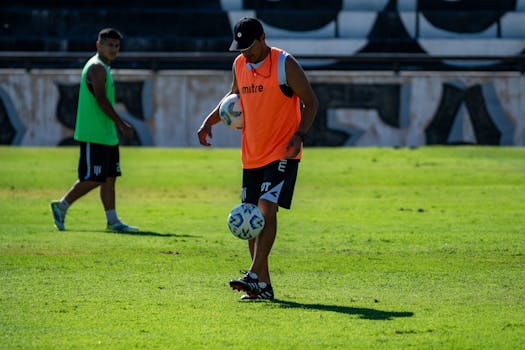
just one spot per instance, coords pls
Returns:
(360, 108)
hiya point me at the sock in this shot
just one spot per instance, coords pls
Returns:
(263, 285)
(111, 216)
(63, 204)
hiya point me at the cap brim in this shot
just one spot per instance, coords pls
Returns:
(234, 46)
(237, 46)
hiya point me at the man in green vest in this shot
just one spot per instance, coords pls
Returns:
(96, 131)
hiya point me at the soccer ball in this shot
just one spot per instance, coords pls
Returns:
(230, 112)
(245, 221)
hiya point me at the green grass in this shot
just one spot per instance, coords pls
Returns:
(383, 249)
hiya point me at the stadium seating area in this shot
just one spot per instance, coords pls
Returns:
(148, 26)
(328, 27)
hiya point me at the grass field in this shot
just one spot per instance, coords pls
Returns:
(383, 249)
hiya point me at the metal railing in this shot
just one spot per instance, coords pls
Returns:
(223, 60)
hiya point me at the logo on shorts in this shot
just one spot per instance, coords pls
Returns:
(97, 170)
(282, 165)
(273, 194)
(265, 186)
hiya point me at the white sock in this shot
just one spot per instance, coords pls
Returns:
(111, 217)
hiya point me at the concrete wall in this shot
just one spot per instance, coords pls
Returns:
(38, 108)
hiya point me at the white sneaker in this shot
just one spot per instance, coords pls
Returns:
(122, 227)
(58, 215)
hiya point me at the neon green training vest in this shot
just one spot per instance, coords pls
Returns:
(93, 125)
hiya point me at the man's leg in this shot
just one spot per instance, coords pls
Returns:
(107, 193)
(260, 288)
(79, 189)
(264, 242)
(107, 196)
(264, 186)
(59, 208)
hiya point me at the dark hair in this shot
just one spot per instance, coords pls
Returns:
(109, 33)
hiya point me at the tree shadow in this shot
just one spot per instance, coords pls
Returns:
(363, 313)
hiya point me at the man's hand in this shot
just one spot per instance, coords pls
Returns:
(126, 129)
(203, 133)
(294, 146)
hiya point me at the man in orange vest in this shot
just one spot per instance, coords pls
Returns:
(279, 106)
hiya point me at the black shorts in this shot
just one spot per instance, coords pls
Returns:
(274, 182)
(98, 162)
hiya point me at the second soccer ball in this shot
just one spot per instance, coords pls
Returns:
(230, 112)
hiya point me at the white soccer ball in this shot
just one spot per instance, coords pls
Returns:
(230, 112)
(245, 221)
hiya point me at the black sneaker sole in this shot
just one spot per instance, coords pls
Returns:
(241, 287)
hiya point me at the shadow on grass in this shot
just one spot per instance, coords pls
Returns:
(363, 313)
(150, 233)
(141, 233)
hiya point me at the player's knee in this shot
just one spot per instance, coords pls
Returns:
(267, 207)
